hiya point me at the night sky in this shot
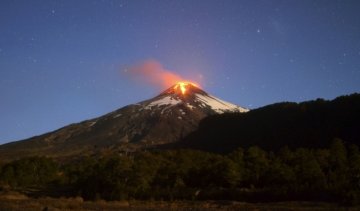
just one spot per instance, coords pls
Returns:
(62, 62)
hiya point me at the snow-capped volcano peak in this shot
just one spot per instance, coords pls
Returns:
(190, 95)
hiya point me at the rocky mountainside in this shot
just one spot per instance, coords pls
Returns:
(165, 118)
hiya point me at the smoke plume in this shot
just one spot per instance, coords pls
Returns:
(153, 73)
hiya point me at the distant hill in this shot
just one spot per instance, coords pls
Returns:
(311, 124)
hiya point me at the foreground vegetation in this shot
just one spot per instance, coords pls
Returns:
(14, 202)
(251, 175)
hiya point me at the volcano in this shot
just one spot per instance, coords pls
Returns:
(166, 118)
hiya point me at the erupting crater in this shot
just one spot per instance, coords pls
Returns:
(184, 86)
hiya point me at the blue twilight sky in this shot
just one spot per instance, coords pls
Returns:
(61, 60)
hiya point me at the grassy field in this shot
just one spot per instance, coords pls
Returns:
(12, 201)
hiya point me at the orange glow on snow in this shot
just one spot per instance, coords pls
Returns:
(183, 85)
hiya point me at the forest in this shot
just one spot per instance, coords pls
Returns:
(330, 174)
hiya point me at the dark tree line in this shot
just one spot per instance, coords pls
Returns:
(252, 174)
(30, 171)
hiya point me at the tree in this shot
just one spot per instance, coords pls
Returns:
(354, 166)
(308, 171)
(256, 163)
(338, 168)
(280, 175)
(143, 172)
(237, 157)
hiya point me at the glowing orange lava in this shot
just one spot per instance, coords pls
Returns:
(182, 85)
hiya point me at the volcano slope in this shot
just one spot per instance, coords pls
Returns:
(166, 118)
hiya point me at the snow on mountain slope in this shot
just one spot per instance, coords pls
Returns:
(194, 98)
(167, 100)
(218, 105)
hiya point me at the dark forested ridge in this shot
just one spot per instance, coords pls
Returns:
(311, 124)
(251, 174)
